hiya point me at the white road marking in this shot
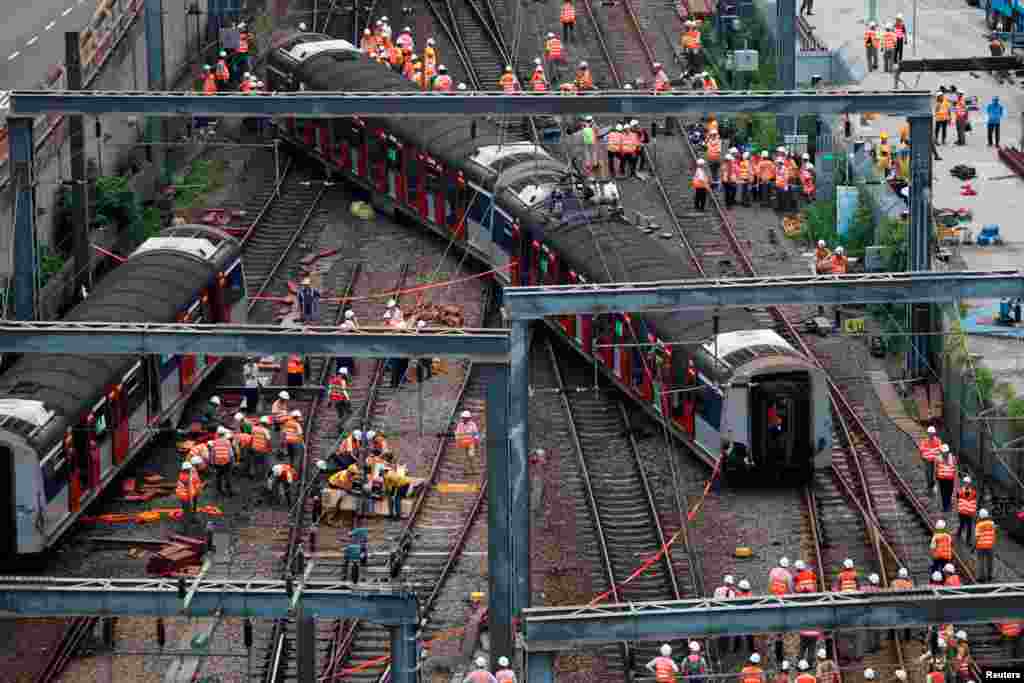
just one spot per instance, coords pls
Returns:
(32, 41)
(68, 11)
(50, 25)
(13, 56)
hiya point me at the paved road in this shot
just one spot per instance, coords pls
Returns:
(32, 38)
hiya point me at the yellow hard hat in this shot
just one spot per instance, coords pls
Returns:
(884, 135)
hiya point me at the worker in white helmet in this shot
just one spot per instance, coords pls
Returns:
(804, 677)
(467, 433)
(869, 674)
(826, 668)
(663, 666)
(782, 673)
(695, 667)
(280, 406)
(302, 26)
(480, 674)
(929, 448)
(701, 186)
(725, 591)
(941, 546)
(984, 543)
(966, 510)
(187, 492)
(752, 671)
(504, 674)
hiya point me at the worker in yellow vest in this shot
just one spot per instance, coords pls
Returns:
(396, 488)
(883, 154)
(941, 118)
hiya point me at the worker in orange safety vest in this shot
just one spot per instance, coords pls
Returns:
(221, 72)
(508, 81)
(950, 576)
(729, 170)
(807, 181)
(443, 82)
(338, 394)
(780, 579)
(661, 81)
(714, 155)
(701, 184)
(941, 546)
(369, 43)
(941, 116)
(209, 81)
(280, 482)
(888, 48)
(900, 29)
(745, 179)
(567, 17)
(244, 42)
(765, 177)
(296, 370)
(806, 581)
(840, 264)
(945, 475)
(929, 448)
(871, 45)
(846, 580)
(689, 40)
(614, 143)
(293, 436)
(430, 53)
(553, 49)
(187, 492)
(630, 150)
(411, 63)
(804, 676)
(222, 453)
(663, 666)
(538, 82)
(752, 672)
(262, 447)
(984, 543)
(584, 79)
(1011, 632)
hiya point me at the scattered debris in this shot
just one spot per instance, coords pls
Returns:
(447, 315)
(180, 552)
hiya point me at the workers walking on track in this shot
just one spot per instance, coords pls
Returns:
(803, 667)
(889, 48)
(480, 674)
(504, 674)
(807, 183)
(223, 454)
(630, 149)
(339, 395)
(567, 17)
(746, 179)
(701, 185)
(467, 434)
(553, 51)
(871, 44)
(396, 488)
(941, 546)
(752, 672)
(945, 475)
(901, 38)
(984, 544)
(221, 71)
(951, 578)
(281, 482)
(293, 437)
(262, 447)
(187, 491)
(508, 81)
(209, 81)
(714, 156)
(613, 142)
(724, 592)
(690, 42)
(695, 666)
(780, 579)
(729, 172)
(663, 666)
(929, 448)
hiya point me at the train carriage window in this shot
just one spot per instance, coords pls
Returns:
(132, 394)
(55, 471)
(101, 425)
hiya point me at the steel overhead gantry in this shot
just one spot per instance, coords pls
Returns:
(547, 630)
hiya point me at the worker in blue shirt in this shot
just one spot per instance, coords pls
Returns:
(995, 113)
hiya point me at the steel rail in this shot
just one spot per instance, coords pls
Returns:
(451, 29)
(78, 628)
(270, 201)
(378, 371)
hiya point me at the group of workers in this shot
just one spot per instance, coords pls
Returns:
(834, 262)
(503, 674)
(951, 105)
(399, 53)
(889, 40)
(745, 179)
(232, 65)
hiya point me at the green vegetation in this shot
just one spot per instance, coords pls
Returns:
(985, 382)
(50, 263)
(203, 176)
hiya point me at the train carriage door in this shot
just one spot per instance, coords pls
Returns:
(605, 335)
(101, 442)
(516, 251)
(535, 265)
(778, 404)
(629, 338)
(394, 162)
(379, 158)
(119, 415)
(433, 189)
(75, 444)
(187, 364)
(618, 339)
(457, 202)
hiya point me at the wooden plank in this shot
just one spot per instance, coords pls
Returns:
(446, 487)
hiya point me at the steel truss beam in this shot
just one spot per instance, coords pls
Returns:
(36, 597)
(479, 345)
(549, 629)
(526, 303)
(333, 104)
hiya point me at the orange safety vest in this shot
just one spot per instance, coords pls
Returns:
(539, 83)
(715, 148)
(929, 448)
(871, 38)
(807, 180)
(429, 55)
(221, 451)
(935, 677)
(664, 671)
(295, 365)
(614, 141)
(806, 582)
(1010, 629)
(780, 176)
(889, 40)
(953, 580)
(396, 56)
(584, 79)
(745, 171)
(734, 170)
(568, 13)
(347, 445)
(508, 82)
(945, 470)
(553, 48)
(942, 110)
(338, 390)
(777, 586)
(661, 82)
(246, 86)
(700, 179)
(901, 584)
(985, 534)
(900, 29)
(691, 40)
(443, 83)
(805, 678)
(243, 42)
(848, 581)
(751, 674)
(243, 440)
(943, 546)
(839, 263)
(210, 85)
(766, 171)
(630, 143)
(221, 71)
(292, 432)
(202, 450)
(408, 68)
(185, 490)
(261, 440)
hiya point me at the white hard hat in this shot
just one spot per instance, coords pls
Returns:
(247, 75)
(799, 564)
(223, 54)
(780, 150)
(260, 84)
(366, 31)
(295, 413)
(537, 60)
(874, 579)
(406, 30)
(764, 154)
(931, 430)
(321, 465)
(805, 156)
(967, 480)
(215, 400)
(284, 395)
(462, 86)
(302, 26)
(694, 646)
(784, 562)
(430, 41)
(729, 157)
(785, 665)
(888, 24)
(618, 126)
(729, 580)
(940, 524)
(481, 662)
(370, 434)
(869, 674)
(349, 314)
(206, 67)
(901, 674)
(466, 414)
(387, 315)
(755, 658)
(700, 162)
(442, 68)
(840, 251)
(196, 460)
(666, 650)
(746, 155)
(358, 434)
(873, 24)
(941, 643)
(656, 65)
(185, 466)
(821, 243)
(539, 69)
(551, 35)
(420, 324)
(277, 469)
(733, 150)
(744, 585)
(900, 16)
(343, 370)
(502, 661)
(265, 420)
(949, 569)
(384, 20)
(936, 576)
(241, 26)
(961, 635)
(239, 417)
(822, 654)
(803, 665)
(392, 303)
(508, 68)
(848, 563)
(944, 448)
(903, 573)
(222, 430)
(983, 513)
(583, 65)
(634, 122)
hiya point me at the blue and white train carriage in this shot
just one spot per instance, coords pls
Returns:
(70, 423)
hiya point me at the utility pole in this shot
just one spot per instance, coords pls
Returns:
(80, 183)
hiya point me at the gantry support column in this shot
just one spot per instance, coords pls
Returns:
(404, 653)
(785, 68)
(81, 251)
(500, 560)
(919, 236)
(305, 648)
(519, 465)
(22, 149)
(540, 667)
(155, 128)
